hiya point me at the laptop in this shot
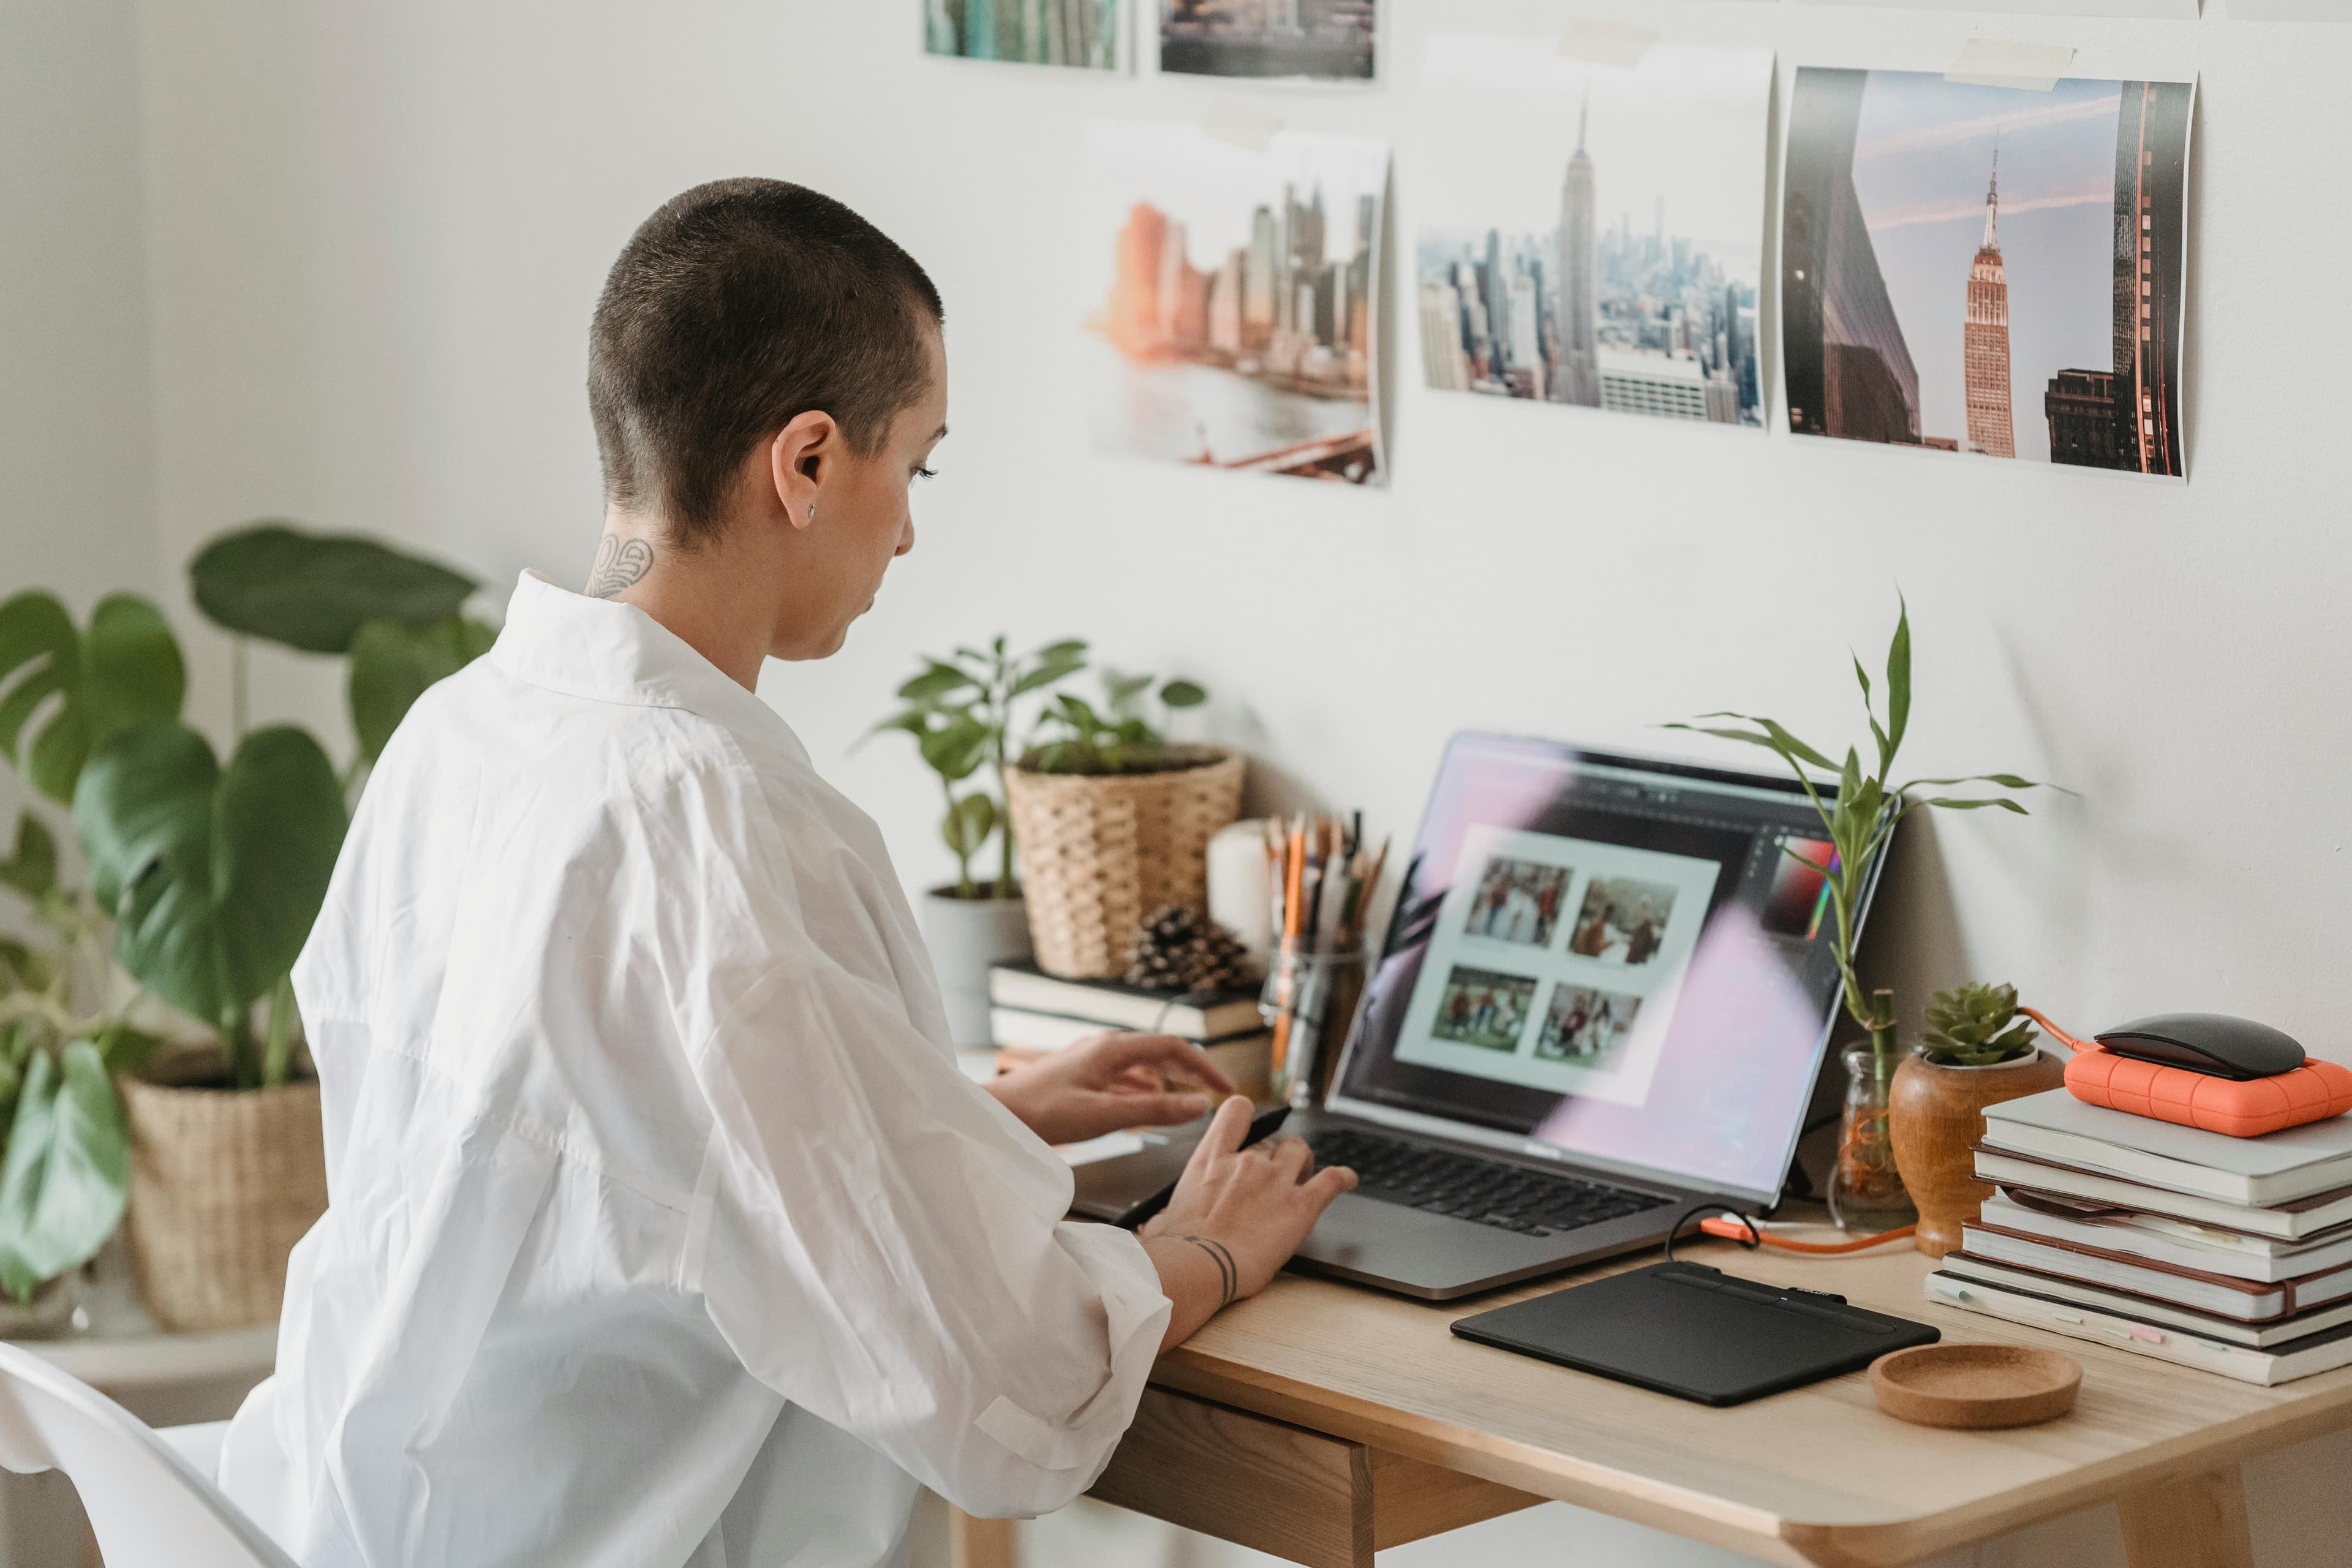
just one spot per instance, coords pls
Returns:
(1604, 997)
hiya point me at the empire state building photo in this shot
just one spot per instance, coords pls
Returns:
(1985, 339)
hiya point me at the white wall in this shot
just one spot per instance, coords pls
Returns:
(376, 233)
(76, 440)
(77, 448)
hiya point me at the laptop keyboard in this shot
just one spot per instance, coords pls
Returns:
(1485, 1191)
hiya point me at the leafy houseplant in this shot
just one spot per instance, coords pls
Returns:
(1976, 1053)
(208, 875)
(1859, 816)
(1115, 820)
(965, 713)
(962, 713)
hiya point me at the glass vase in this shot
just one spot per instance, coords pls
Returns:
(1866, 1192)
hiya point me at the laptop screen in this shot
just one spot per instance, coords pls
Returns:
(1616, 958)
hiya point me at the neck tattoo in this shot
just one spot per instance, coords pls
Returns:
(620, 563)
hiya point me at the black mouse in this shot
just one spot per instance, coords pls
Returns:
(2208, 1043)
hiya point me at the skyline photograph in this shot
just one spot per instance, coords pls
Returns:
(1233, 320)
(1080, 33)
(1314, 40)
(1986, 271)
(1592, 235)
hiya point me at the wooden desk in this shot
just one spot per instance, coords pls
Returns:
(1321, 1421)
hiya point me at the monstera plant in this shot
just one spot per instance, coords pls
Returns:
(203, 877)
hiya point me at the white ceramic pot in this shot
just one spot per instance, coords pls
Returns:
(965, 936)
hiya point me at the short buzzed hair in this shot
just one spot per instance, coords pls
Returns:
(738, 307)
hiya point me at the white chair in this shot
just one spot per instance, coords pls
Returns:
(148, 1505)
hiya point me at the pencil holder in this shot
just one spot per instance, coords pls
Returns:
(1308, 1002)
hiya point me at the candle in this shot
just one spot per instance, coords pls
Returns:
(1240, 887)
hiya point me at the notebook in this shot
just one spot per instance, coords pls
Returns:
(2276, 1168)
(2225, 1295)
(1696, 1333)
(2075, 1292)
(2296, 1221)
(2315, 1352)
(2161, 1239)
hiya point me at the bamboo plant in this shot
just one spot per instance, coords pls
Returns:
(1859, 814)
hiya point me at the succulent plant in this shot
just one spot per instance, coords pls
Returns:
(1976, 1027)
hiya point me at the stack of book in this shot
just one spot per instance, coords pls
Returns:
(2230, 1254)
(1032, 1013)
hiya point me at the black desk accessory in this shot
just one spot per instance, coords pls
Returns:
(1696, 1333)
(1128, 1189)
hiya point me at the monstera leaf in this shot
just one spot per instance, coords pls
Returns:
(67, 1171)
(62, 691)
(314, 592)
(213, 875)
(393, 663)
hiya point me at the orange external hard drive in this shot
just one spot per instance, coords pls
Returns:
(2240, 1108)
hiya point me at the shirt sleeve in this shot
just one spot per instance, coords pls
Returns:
(881, 1242)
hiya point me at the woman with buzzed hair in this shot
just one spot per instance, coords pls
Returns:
(664, 1228)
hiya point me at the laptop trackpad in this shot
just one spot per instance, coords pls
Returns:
(1365, 1234)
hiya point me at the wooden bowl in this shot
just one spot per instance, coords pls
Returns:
(1974, 1386)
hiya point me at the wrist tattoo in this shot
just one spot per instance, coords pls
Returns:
(620, 563)
(1228, 1271)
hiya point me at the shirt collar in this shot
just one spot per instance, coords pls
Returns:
(611, 652)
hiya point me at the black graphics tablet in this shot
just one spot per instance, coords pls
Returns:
(1696, 1333)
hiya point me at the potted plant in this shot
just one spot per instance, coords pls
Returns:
(1859, 814)
(209, 876)
(1977, 1052)
(65, 1009)
(961, 711)
(1115, 820)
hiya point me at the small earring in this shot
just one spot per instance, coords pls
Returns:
(812, 511)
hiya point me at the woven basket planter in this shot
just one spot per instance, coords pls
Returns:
(223, 1184)
(1100, 852)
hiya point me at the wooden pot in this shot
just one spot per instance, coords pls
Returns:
(1935, 1113)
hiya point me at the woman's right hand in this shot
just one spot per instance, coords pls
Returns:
(1244, 1211)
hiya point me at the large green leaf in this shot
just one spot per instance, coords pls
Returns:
(314, 592)
(214, 876)
(67, 1171)
(32, 870)
(80, 686)
(393, 662)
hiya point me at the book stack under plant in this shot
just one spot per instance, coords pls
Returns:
(1032, 1013)
(2230, 1254)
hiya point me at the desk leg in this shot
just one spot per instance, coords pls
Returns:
(980, 1542)
(2197, 1521)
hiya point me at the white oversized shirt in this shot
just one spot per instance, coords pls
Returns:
(663, 1229)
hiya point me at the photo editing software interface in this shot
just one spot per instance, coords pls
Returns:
(1619, 959)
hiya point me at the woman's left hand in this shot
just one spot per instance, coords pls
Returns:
(1107, 1082)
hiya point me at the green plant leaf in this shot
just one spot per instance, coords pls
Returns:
(934, 683)
(213, 876)
(1123, 690)
(32, 870)
(82, 685)
(1951, 805)
(967, 825)
(1182, 693)
(956, 751)
(1898, 680)
(1061, 652)
(313, 591)
(67, 1171)
(2006, 781)
(1046, 674)
(393, 662)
